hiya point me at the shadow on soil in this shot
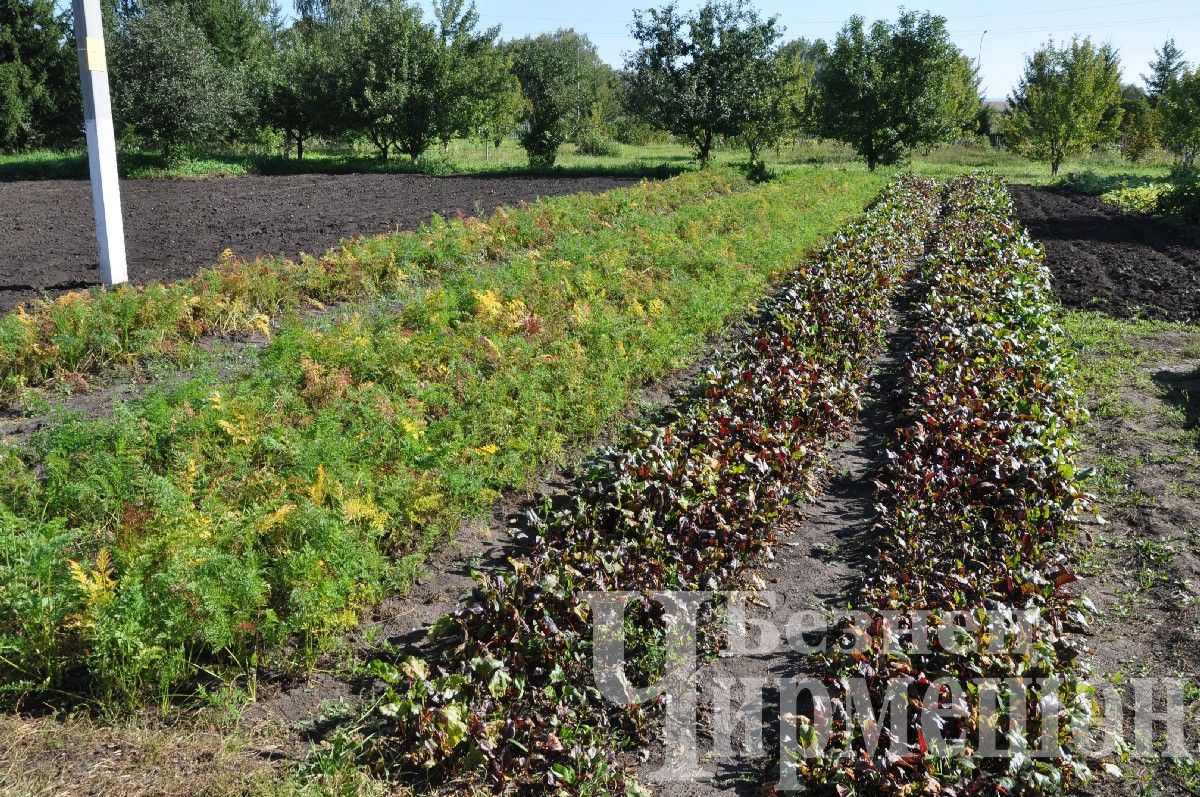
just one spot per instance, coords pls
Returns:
(1182, 391)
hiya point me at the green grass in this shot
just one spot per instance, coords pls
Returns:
(652, 160)
(219, 521)
(1110, 357)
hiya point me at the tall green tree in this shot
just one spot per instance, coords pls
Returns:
(477, 76)
(964, 100)
(557, 76)
(497, 102)
(298, 95)
(170, 90)
(39, 86)
(1139, 124)
(1179, 116)
(1068, 101)
(707, 74)
(394, 71)
(1167, 66)
(798, 61)
(887, 89)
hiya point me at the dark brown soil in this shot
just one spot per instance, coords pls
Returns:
(1102, 258)
(174, 227)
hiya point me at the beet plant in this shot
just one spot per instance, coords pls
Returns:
(979, 501)
(509, 702)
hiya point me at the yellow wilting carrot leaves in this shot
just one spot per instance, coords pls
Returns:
(365, 509)
(275, 518)
(99, 584)
(316, 491)
(488, 305)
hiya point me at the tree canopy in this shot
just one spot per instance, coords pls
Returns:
(558, 73)
(1167, 66)
(887, 89)
(707, 74)
(169, 88)
(1179, 116)
(39, 87)
(1068, 101)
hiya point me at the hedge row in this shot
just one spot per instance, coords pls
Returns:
(979, 501)
(511, 702)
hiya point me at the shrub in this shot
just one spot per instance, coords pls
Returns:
(597, 146)
(1181, 201)
(1137, 199)
(169, 89)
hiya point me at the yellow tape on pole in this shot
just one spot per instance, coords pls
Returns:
(94, 50)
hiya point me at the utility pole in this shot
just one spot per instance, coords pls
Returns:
(101, 141)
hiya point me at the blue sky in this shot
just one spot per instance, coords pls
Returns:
(1013, 28)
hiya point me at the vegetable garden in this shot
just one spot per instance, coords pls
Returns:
(240, 518)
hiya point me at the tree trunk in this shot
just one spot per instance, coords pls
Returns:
(1054, 168)
(299, 147)
(704, 150)
(872, 162)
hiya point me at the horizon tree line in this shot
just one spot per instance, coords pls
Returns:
(193, 74)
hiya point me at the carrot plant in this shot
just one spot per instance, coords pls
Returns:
(219, 523)
(84, 332)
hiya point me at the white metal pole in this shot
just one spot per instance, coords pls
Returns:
(101, 142)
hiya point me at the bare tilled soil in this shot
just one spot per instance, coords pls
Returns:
(1102, 258)
(175, 227)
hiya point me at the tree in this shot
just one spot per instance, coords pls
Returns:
(498, 103)
(761, 88)
(1167, 66)
(889, 89)
(556, 72)
(169, 89)
(298, 95)
(964, 101)
(1138, 132)
(707, 74)
(39, 85)
(478, 79)
(394, 71)
(798, 61)
(1068, 101)
(1179, 116)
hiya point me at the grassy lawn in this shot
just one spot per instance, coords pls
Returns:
(658, 160)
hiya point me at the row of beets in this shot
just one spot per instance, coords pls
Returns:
(978, 503)
(511, 701)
